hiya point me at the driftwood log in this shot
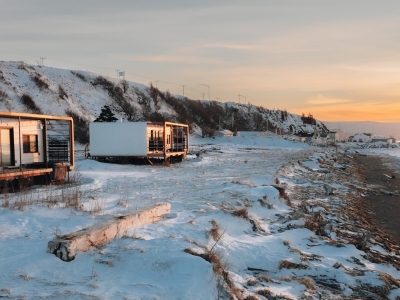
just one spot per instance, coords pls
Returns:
(67, 246)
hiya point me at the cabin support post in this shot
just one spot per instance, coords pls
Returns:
(45, 142)
(20, 149)
(165, 141)
(71, 141)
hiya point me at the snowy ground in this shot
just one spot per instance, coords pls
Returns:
(264, 253)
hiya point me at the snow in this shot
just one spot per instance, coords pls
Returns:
(230, 173)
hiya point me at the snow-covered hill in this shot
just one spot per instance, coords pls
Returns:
(82, 94)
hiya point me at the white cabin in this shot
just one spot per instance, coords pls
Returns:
(34, 142)
(138, 139)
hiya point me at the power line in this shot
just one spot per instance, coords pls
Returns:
(41, 63)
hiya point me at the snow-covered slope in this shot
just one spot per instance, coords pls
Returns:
(83, 94)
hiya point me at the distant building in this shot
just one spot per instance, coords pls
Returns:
(224, 132)
(303, 136)
(361, 138)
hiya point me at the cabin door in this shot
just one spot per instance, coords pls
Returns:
(6, 147)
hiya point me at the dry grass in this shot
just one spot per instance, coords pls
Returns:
(265, 202)
(252, 282)
(96, 207)
(389, 280)
(94, 286)
(282, 192)
(219, 269)
(247, 182)
(251, 297)
(316, 224)
(337, 265)
(307, 282)
(40, 83)
(242, 213)
(266, 278)
(214, 231)
(287, 264)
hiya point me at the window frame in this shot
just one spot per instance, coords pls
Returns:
(32, 145)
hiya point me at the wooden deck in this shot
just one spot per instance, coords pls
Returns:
(12, 173)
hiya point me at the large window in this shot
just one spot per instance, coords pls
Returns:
(30, 143)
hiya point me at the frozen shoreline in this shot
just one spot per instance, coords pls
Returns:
(266, 252)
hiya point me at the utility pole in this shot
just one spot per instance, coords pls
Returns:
(117, 74)
(243, 97)
(183, 86)
(208, 89)
(42, 61)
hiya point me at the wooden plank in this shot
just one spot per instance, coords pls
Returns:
(25, 173)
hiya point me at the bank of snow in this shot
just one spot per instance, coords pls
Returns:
(227, 175)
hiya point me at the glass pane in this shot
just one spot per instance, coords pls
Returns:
(5, 147)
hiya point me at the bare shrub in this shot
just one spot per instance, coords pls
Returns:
(22, 66)
(79, 75)
(81, 127)
(287, 264)
(40, 83)
(62, 93)
(3, 95)
(360, 242)
(125, 85)
(31, 106)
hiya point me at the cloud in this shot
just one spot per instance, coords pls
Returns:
(322, 100)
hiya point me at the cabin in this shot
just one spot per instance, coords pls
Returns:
(165, 141)
(33, 145)
(303, 136)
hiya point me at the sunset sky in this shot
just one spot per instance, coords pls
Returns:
(338, 60)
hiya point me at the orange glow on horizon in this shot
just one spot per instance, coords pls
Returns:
(352, 110)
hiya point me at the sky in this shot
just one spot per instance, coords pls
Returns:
(338, 60)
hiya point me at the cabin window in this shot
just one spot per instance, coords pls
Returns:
(30, 143)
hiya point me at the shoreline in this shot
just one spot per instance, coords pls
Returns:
(383, 209)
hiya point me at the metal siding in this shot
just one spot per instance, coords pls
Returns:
(118, 139)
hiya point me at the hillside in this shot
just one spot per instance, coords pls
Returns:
(81, 94)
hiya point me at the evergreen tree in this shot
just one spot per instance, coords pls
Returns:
(106, 115)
